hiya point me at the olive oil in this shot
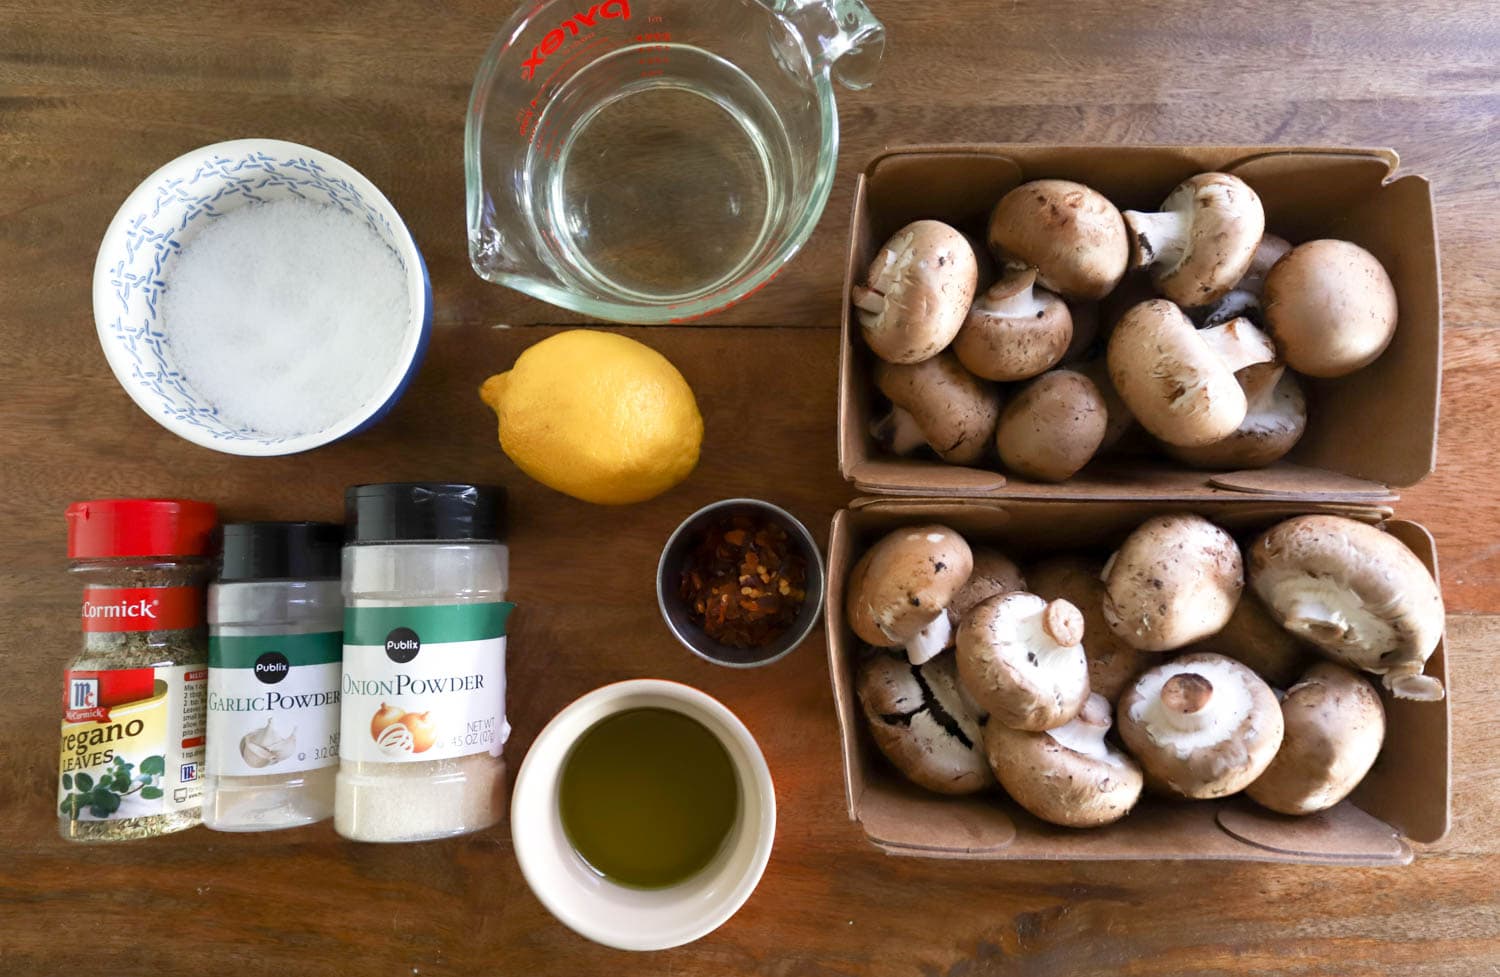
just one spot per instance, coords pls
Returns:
(648, 797)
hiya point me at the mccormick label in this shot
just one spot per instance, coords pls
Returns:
(132, 741)
(273, 703)
(423, 683)
(142, 608)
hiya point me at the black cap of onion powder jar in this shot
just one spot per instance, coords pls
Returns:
(417, 511)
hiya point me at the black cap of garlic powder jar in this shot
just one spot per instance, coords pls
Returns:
(279, 551)
(424, 512)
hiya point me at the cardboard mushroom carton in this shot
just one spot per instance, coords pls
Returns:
(1367, 432)
(1405, 796)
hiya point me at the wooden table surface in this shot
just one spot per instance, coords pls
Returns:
(93, 96)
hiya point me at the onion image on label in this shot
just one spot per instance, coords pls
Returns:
(265, 746)
(397, 731)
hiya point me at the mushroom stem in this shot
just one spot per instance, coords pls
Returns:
(929, 641)
(1014, 296)
(1159, 238)
(1410, 684)
(1321, 621)
(867, 299)
(1084, 733)
(899, 430)
(1239, 344)
(1259, 383)
(1184, 695)
(1063, 623)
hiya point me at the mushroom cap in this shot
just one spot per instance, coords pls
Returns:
(1072, 235)
(1255, 639)
(1070, 775)
(1335, 726)
(1355, 592)
(1021, 660)
(1174, 378)
(1201, 725)
(920, 722)
(1117, 417)
(955, 411)
(994, 573)
(917, 292)
(1175, 580)
(1014, 330)
(900, 588)
(1052, 427)
(1331, 308)
(1271, 249)
(1201, 243)
(1113, 662)
(1274, 422)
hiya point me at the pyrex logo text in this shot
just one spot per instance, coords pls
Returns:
(608, 10)
(124, 608)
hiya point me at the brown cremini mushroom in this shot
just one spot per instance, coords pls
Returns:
(1355, 592)
(1331, 308)
(1335, 726)
(1014, 330)
(1052, 427)
(1175, 580)
(939, 404)
(1118, 421)
(1072, 235)
(1275, 420)
(916, 294)
(1201, 242)
(1069, 775)
(899, 590)
(994, 573)
(1178, 381)
(1244, 298)
(921, 723)
(1113, 662)
(1021, 660)
(1201, 726)
(1255, 639)
(1085, 316)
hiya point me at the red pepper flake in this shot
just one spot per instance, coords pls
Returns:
(743, 582)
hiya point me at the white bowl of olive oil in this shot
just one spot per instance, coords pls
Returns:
(643, 815)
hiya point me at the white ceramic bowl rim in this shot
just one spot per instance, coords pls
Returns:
(535, 791)
(137, 245)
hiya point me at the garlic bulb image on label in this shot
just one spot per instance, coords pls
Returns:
(264, 746)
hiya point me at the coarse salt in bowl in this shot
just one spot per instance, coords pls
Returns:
(200, 360)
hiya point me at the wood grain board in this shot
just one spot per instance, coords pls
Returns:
(93, 96)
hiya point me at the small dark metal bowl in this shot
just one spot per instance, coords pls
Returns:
(674, 609)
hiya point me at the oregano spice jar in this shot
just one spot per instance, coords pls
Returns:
(275, 618)
(423, 693)
(133, 719)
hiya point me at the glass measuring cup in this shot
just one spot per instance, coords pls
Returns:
(657, 160)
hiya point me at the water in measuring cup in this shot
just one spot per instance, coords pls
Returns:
(664, 184)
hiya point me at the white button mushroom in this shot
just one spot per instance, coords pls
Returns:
(1021, 660)
(1335, 726)
(1357, 593)
(1201, 725)
(1072, 235)
(1014, 330)
(1201, 243)
(1331, 308)
(1175, 580)
(919, 720)
(899, 590)
(994, 574)
(1069, 775)
(1275, 420)
(1178, 381)
(919, 288)
(1113, 662)
(1052, 427)
(939, 404)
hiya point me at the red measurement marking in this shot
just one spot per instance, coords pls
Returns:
(720, 308)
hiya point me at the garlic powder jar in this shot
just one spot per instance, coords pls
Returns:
(275, 617)
(423, 691)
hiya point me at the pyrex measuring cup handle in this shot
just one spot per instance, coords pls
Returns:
(842, 36)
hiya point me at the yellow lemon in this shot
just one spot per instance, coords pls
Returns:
(597, 416)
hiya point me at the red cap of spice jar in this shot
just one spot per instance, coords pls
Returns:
(139, 527)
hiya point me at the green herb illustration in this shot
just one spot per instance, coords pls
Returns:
(118, 780)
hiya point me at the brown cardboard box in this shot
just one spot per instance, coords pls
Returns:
(1369, 431)
(1405, 795)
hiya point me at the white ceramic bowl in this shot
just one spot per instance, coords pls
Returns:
(615, 915)
(170, 206)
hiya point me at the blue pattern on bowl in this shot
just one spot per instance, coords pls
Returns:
(153, 235)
